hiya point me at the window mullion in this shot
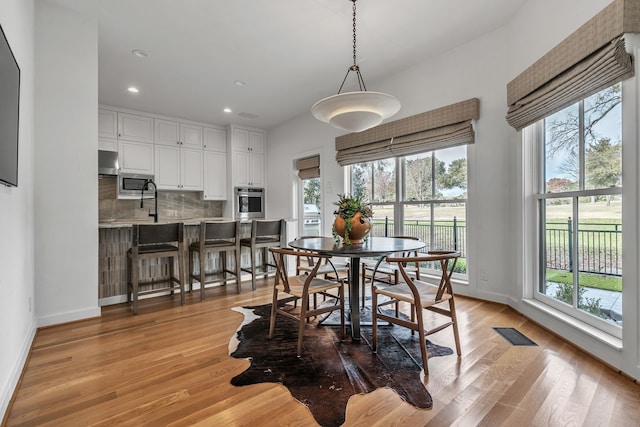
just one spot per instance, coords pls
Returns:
(581, 146)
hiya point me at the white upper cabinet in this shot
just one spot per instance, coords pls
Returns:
(133, 127)
(214, 139)
(190, 136)
(215, 175)
(107, 130)
(107, 124)
(135, 157)
(166, 132)
(247, 157)
(178, 168)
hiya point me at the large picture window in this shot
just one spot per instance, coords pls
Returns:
(423, 195)
(580, 210)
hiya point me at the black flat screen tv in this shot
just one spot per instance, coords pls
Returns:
(9, 108)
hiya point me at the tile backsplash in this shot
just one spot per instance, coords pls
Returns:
(171, 204)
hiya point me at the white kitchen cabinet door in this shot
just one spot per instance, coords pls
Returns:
(256, 170)
(190, 136)
(167, 167)
(241, 168)
(135, 157)
(215, 175)
(256, 142)
(108, 144)
(240, 140)
(215, 139)
(133, 127)
(191, 169)
(166, 132)
(107, 124)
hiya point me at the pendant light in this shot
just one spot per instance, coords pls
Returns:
(355, 111)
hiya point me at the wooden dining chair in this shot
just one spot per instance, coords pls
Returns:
(386, 272)
(301, 287)
(421, 296)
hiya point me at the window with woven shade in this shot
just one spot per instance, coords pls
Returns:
(437, 129)
(592, 58)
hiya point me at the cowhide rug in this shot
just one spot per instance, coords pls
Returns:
(330, 371)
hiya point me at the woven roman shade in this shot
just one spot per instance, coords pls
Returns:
(591, 59)
(308, 167)
(436, 129)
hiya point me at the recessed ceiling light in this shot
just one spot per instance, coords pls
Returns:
(227, 110)
(133, 89)
(240, 82)
(139, 53)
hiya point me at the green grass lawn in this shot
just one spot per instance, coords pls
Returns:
(597, 281)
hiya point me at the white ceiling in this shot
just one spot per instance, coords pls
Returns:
(290, 53)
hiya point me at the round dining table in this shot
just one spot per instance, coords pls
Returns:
(371, 247)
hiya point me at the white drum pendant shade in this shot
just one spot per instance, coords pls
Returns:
(356, 111)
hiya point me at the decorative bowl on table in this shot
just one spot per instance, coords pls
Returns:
(353, 218)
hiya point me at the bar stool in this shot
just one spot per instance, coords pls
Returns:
(155, 241)
(264, 234)
(216, 236)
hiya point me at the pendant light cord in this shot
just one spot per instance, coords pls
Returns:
(355, 66)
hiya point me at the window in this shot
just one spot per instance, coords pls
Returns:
(580, 210)
(311, 217)
(422, 195)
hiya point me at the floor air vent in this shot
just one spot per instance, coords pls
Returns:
(514, 336)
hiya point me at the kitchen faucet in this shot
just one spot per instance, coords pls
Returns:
(155, 187)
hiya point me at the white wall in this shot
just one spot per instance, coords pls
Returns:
(66, 156)
(16, 212)
(482, 69)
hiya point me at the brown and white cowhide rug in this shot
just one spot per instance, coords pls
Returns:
(330, 371)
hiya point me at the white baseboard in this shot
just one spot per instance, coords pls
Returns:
(70, 316)
(16, 371)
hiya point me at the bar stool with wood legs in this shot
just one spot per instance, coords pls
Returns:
(155, 241)
(221, 237)
(264, 234)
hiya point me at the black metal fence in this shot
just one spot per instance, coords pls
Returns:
(599, 247)
(446, 234)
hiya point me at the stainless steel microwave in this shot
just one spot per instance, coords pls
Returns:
(130, 186)
(249, 203)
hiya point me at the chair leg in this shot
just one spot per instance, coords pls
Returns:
(454, 320)
(274, 309)
(190, 271)
(202, 257)
(253, 269)
(423, 339)
(374, 318)
(182, 275)
(237, 265)
(172, 272)
(303, 318)
(134, 285)
(129, 282)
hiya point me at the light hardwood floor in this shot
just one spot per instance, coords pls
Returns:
(169, 365)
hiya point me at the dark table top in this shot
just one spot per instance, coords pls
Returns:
(373, 246)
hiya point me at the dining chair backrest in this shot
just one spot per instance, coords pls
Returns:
(447, 260)
(280, 255)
